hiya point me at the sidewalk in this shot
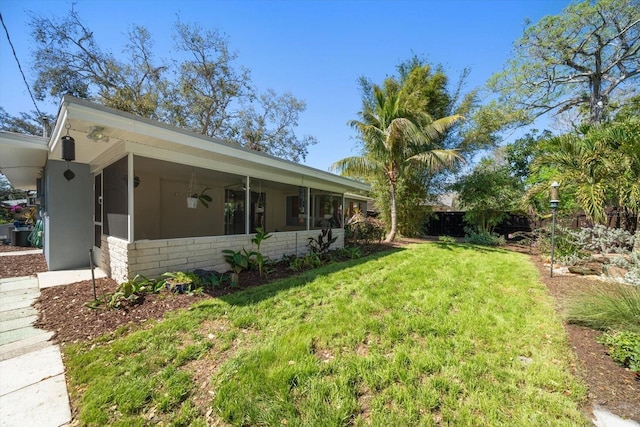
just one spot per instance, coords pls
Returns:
(33, 389)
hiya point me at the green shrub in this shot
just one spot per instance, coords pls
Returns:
(483, 238)
(363, 230)
(624, 348)
(447, 239)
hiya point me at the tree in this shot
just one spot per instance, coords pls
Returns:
(202, 89)
(488, 194)
(27, 123)
(394, 138)
(600, 163)
(580, 61)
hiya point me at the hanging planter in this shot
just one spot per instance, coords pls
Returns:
(194, 197)
(192, 202)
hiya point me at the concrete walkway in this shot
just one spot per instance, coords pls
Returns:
(33, 390)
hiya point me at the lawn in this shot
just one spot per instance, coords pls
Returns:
(430, 334)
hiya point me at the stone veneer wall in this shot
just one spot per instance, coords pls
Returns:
(151, 258)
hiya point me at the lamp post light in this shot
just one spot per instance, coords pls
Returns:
(555, 200)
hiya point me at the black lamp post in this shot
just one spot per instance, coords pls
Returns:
(555, 200)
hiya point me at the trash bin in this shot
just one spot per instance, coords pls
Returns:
(20, 237)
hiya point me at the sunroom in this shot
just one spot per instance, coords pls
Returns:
(124, 197)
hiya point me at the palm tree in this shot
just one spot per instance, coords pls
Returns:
(603, 165)
(394, 138)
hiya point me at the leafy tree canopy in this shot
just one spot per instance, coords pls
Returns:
(584, 61)
(488, 194)
(202, 89)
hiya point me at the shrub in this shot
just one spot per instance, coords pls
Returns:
(321, 244)
(603, 239)
(624, 348)
(483, 238)
(447, 239)
(363, 230)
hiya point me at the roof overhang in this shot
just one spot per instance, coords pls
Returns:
(22, 158)
(128, 133)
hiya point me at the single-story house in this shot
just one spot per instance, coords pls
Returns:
(122, 193)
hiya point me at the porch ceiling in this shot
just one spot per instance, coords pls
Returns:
(22, 158)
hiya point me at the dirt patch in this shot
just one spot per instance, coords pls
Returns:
(62, 310)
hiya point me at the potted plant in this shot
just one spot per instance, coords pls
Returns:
(194, 198)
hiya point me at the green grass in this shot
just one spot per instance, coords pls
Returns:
(615, 307)
(432, 334)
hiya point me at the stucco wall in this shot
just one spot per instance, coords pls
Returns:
(68, 216)
(122, 260)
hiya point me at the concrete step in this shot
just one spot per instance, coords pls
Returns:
(18, 334)
(8, 303)
(9, 315)
(30, 368)
(26, 345)
(17, 323)
(32, 405)
(15, 293)
(13, 283)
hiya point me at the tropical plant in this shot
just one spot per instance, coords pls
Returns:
(239, 261)
(321, 244)
(394, 139)
(600, 164)
(260, 259)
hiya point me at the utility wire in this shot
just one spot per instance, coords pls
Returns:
(20, 67)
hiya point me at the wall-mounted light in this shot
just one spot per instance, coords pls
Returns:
(97, 134)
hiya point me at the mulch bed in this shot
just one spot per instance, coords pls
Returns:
(62, 310)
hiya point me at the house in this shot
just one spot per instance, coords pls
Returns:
(122, 193)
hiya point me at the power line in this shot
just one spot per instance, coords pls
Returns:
(20, 67)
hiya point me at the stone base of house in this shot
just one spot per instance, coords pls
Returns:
(151, 258)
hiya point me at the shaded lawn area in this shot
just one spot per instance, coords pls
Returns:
(427, 335)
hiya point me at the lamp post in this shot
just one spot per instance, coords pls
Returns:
(555, 200)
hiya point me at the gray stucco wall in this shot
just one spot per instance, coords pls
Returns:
(68, 216)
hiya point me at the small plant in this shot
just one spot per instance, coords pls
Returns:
(306, 262)
(260, 260)
(624, 348)
(321, 244)
(203, 198)
(446, 239)
(181, 282)
(128, 292)
(239, 261)
(352, 252)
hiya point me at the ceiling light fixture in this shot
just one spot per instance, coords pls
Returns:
(97, 134)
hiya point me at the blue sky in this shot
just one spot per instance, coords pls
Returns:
(315, 50)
